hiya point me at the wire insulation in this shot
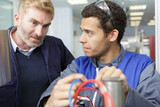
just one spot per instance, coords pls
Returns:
(70, 90)
(103, 92)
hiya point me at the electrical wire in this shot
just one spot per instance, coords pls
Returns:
(93, 89)
(99, 84)
(102, 89)
(94, 98)
(89, 88)
(70, 90)
(84, 83)
(106, 95)
(86, 97)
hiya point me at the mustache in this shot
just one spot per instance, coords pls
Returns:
(37, 37)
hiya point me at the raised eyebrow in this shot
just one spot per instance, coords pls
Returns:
(47, 24)
(83, 29)
(34, 20)
(86, 30)
(40, 22)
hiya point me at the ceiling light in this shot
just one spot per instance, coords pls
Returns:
(133, 0)
(8, 7)
(134, 23)
(135, 18)
(136, 13)
(77, 2)
(138, 7)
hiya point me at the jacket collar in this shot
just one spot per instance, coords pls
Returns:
(115, 62)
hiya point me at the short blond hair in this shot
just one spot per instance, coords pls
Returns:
(44, 5)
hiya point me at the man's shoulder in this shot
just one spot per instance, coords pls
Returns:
(137, 56)
(82, 59)
(52, 40)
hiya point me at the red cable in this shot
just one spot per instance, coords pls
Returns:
(106, 95)
(89, 88)
(100, 85)
(83, 84)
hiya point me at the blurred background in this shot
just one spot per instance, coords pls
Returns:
(141, 35)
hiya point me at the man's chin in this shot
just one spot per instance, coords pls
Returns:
(34, 45)
(89, 55)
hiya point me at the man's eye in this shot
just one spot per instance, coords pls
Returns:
(34, 23)
(45, 26)
(89, 33)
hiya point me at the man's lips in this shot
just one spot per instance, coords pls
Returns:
(36, 39)
(85, 49)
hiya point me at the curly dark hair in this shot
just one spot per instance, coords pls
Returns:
(119, 19)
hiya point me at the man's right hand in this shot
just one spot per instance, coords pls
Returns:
(60, 93)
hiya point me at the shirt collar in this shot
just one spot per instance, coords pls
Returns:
(12, 41)
(115, 62)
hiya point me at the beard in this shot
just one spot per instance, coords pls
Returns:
(27, 38)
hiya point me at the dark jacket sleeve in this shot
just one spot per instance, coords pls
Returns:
(56, 56)
(65, 55)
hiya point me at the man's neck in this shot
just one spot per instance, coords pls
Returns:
(110, 55)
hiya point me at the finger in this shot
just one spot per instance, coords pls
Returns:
(116, 73)
(77, 84)
(105, 72)
(71, 78)
(62, 87)
(108, 73)
(123, 76)
(60, 103)
(55, 102)
(125, 83)
(65, 87)
(62, 95)
(101, 72)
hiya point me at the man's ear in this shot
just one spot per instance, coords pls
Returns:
(17, 19)
(114, 35)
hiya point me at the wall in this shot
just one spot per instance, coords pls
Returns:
(157, 38)
(78, 50)
(62, 26)
(6, 14)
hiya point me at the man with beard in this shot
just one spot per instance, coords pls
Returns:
(37, 59)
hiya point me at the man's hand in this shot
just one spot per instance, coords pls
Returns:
(112, 72)
(60, 93)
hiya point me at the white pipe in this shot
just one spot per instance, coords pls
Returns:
(157, 34)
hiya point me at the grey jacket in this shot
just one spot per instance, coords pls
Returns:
(147, 93)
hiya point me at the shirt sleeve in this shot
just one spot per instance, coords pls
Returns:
(71, 68)
(147, 93)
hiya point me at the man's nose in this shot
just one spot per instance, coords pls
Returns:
(39, 30)
(82, 38)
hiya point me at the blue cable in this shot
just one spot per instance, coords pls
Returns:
(70, 89)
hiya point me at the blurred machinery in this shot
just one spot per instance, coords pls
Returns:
(5, 60)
